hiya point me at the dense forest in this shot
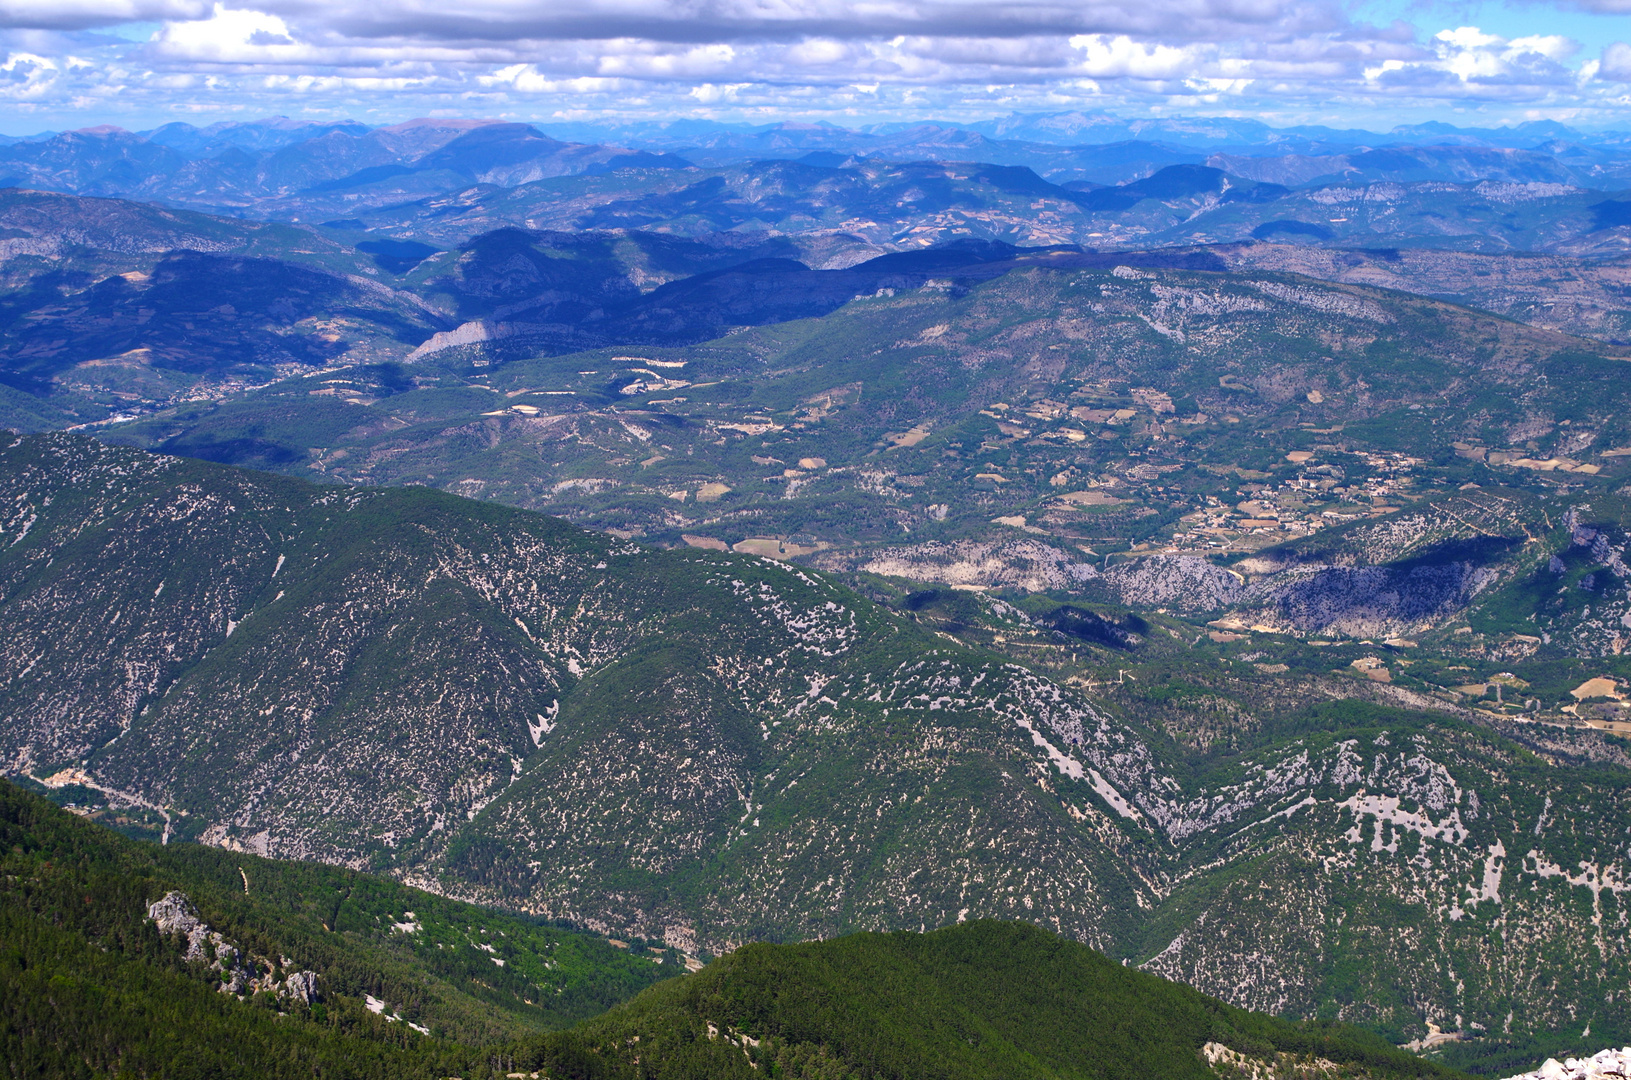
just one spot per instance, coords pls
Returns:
(977, 1001)
(90, 987)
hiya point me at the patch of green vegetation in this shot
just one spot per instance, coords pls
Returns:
(91, 988)
(72, 890)
(1508, 1055)
(978, 1000)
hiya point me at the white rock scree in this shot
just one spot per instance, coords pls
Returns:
(1608, 1064)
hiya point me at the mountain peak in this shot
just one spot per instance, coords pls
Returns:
(444, 123)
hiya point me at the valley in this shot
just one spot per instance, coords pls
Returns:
(534, 566)
(689, 746)
(1130, 434)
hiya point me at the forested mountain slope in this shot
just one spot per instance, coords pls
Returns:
(267, 969)
(983, 999)
(293, 968)
(707, 748)
(402, 679)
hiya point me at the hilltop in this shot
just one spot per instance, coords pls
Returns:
(981, 999)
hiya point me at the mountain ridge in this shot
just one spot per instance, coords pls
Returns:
(720, 747)
(295, 171)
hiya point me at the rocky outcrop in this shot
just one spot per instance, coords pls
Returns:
(1029, 565)
(1364, 601)
(174, 915)
(1357, 601)
(1183, 582)
(301, 986)
(1607, 1064)
(470, 333)
(1278, 1066)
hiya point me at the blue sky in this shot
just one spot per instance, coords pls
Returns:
(1593, 29)
(138, 63)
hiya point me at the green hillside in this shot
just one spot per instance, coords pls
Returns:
(976, 1001)
(89, 986)
(426, 685)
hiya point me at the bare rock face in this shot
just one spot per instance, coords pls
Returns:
(1403, 575)
(1358, 601)
(1607, 1064)
(1030, 565)
(175, 914)
(301, 986)
(1184, 582)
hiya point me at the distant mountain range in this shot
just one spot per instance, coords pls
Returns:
(860, 208)
(281, 168)
(256, 165)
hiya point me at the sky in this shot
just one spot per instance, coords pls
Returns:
(1362, 63)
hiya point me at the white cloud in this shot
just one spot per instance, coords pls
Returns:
(229, 35)
(1106, 57)
(1468, 62)
(1466, 38)
(709, 94)
(527, 79)
(1387, 66)
(79, 14)
(1551, 46)
(652, 60)
(1616, 63)
(751, 58)
(24, 76)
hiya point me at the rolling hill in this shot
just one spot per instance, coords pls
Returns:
(1038, 395)
(981, 999)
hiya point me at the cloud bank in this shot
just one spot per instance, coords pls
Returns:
(760, 59)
